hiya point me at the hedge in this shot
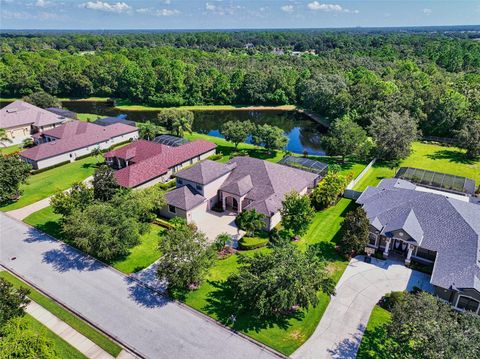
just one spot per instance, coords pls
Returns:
(216, 157)
(168, 185)
(249, 243)
(34, 172)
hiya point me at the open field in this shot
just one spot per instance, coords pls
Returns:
(79, 325)
(44, 184)
(375, 336)
(213, 297)
(428, 156)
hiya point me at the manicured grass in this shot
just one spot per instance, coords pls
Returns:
(62, 348)
(375, 337)
(88, 117)
(143, 254)
(45, 184)
(214, 297)
(46, 221)
(427, 156)
(10, 149)
(128, 105)
(79, 325)
(227, 149)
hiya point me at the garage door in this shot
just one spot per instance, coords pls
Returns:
(198, 213)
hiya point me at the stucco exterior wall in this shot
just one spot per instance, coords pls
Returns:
(164, 212)
(161, 179)
(72, 155)
(274, 220)
(18, 134)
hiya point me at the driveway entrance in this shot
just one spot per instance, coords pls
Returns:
(213, 223)
(340, 331)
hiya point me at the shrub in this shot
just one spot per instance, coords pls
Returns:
(391, 299)
(250, 243)
(216, 157)
(163, 223)
(167, 185)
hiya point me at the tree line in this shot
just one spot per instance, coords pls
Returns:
(434, 79)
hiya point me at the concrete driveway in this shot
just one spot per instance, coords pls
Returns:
(213, 223)
(339, 333)
(139, 318)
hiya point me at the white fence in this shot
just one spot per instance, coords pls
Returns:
(361, 174)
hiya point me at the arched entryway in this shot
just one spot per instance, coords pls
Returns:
(231, 203)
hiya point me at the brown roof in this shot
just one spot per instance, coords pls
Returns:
(21, 113)
(151, 160)
(75, 135)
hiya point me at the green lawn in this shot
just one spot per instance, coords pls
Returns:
(63, 349)
(432, 157)
(375, 336)
(227, 148)
(46, 183)
(88, 117)
(10, 149)
(142, 255)
(213, 297)
(63, 314)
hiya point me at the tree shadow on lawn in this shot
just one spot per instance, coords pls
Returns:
(52, 228)
(221, 305)
(452, 156)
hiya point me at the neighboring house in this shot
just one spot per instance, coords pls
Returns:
(21, 119)
(429, 227)
(144, 163)
(74, 139)
(111, 120)
(243, 183)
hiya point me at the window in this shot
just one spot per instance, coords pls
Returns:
(198, 187)
(372, 239)
(172, 209)
(467, 303)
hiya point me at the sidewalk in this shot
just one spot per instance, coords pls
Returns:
(70, 335)
(24, 212)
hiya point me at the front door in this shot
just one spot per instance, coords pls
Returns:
(400, 246)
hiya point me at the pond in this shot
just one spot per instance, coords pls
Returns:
(303, 133)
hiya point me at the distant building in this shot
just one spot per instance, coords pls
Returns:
(21, 119)
(74, 139)
(145, 163)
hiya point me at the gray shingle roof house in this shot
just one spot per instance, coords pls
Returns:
(429, 228)
(243, 183)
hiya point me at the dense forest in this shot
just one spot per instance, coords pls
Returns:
(433, 78)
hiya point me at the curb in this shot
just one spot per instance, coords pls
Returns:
(174, 301)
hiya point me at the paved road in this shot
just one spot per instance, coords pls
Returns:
(339, 333)
(138, 317)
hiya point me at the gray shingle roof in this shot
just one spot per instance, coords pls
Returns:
(450, 227)
(205, 172)
(184, 198)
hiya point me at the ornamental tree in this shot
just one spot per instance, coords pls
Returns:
(270, 137)
(354, 232)
(236, 131)
(14, 172)
(329, 190)
(273, 283)
(186, 257)
(250, 221)
(297, 213)
(78, 197)
(12, 302)
(105, 185)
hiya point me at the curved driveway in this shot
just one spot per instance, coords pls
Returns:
(135, 315)
(339, 333)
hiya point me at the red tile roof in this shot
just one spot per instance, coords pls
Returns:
(158, 163)
(75, 136)
(137, 151)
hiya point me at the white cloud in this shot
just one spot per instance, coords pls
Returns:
(316, 6)
(222, 9)
(288, 8)
(117, 7)
(210, 7)
(427, 11)
(158, 12)
(42, 3)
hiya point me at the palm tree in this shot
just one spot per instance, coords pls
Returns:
(181, 125)
(3, 137)
(149, 130)
(96, 152)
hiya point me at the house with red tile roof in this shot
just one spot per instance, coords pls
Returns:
(74, 139)
(21, 119)
(145, 163)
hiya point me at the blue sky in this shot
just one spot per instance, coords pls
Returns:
(227, 14)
